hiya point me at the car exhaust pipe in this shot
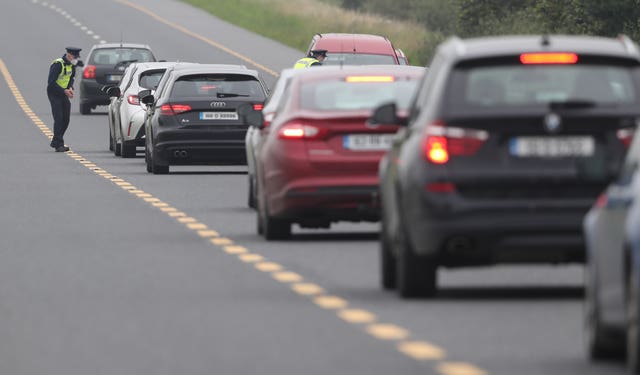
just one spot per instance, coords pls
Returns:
(180, 154)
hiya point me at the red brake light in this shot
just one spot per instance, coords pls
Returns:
(549, 58)
(174, 109)
(258, 107)
(441, 142)
(625, 136)
(89, 71)
(133, 99)
(297, 130)
(436, 150)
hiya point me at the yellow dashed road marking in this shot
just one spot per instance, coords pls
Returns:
(357, 316)
(287, 277)
(207, 233)
(307, 289)
(250, 257)
(235, 249)
(421, 351)
(387, 332)
(221, 241)
(330, 302)
(268, 267)
(459, 368)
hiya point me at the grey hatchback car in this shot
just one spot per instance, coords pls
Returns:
(105, 67)
(508, 143)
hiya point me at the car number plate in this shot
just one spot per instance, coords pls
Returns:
(367, 142)
(554, 147)
(114, 77)
(218, 115)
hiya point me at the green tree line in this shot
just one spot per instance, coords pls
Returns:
(469, 18)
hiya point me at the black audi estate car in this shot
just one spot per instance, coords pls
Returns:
(509, 141)
(194, 115)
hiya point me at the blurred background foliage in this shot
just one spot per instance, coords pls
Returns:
(418, 26)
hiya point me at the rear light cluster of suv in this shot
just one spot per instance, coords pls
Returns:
(442, 141)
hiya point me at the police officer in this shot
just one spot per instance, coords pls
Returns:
(315, 58)
(60, 91)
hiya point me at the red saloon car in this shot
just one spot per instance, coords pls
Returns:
(318, 160)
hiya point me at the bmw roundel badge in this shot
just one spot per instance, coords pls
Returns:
(552, 123)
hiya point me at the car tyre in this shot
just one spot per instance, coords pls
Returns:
(110, 139)
(147, 160)
(387, 260)
(599, 342)
(251, 199)
(272, 228)
(85, 109)
(158, 168)
(127, 150)
(633, 322)
(415, 276)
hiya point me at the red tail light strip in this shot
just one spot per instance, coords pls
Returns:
(89, 72)
(441, 142)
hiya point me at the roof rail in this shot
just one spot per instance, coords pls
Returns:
(628, 44)
(458, 45)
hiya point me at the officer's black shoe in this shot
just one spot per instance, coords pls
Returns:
(52, 145)
(62, 149)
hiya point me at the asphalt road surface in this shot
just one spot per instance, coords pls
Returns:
(105, 269)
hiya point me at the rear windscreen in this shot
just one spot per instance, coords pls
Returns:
(150, 80)
(358, 59)
(112, 56)
(343, 95)
(218, 86)
(512, 86)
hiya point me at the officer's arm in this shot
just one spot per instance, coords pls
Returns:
(54, 72)
(73, 76)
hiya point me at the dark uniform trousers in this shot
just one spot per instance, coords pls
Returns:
(61, 109)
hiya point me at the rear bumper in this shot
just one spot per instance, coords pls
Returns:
(491, 235)
(328, 199)
(187, 148)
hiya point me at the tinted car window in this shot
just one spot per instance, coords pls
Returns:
(150, 80)
(357, 59)
(219, 86)
(342, 95)
(492, 87)
(112, 56)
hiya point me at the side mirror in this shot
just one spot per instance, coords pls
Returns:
(113, 91)
(80, 63)
(385, 114)
(147, 99)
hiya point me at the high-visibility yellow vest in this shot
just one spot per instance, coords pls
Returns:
(305, 62)
(65, 74)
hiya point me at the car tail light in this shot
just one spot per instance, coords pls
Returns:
(625, 136)
(549, 58)
(297, 130)
(89, 71)
(133, 99)
(258, 106)
(441, 142)
(174, 109)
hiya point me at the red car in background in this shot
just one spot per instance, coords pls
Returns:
(318, 160)
(355, 49)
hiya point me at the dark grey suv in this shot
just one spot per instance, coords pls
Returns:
(508, 143)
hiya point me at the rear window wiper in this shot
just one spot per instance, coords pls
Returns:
(228, 95)
(572, 104)
(124, 63)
